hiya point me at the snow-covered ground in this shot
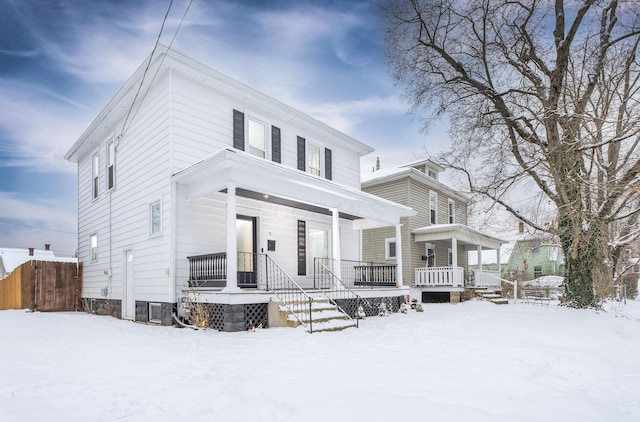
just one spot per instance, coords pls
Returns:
(473, 361)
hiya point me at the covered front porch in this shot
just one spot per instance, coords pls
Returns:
(252, 230)
(459, 240)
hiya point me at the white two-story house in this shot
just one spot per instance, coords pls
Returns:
(194, 185)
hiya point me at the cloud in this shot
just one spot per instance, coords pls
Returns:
(48, 213)
(37, 127)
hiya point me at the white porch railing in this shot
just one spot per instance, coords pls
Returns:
(440, 276)
(486, 278)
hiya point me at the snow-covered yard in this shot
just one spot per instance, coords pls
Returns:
(472, 361)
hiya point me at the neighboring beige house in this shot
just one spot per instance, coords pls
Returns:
(435, 242)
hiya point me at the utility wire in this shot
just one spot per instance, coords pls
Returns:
(124, 125)
(36, 227)
(161, 61)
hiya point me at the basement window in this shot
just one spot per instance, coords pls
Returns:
(155, 313)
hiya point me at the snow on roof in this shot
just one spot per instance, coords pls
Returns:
(12, 258)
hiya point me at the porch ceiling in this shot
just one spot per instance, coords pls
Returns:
(464, 234)
(256, 177)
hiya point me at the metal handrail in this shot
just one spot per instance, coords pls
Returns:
(345, 288)
(281, 285)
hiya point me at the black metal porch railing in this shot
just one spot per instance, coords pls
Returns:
(354, 273)
(254, 270)
(210, 270)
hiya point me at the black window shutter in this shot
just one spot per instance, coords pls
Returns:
(302, 248)
(301, 154)
(275, 145)
(327, 164)
(238, 130)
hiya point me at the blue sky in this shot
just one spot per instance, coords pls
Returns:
(61, 61)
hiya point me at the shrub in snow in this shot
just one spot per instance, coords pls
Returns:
(414, 303)
(404, 308)
(382, 310)
(360, 313)
(419, 307)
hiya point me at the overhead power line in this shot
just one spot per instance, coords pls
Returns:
(36, 227)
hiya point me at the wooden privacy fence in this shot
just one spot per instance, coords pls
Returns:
(43, 286)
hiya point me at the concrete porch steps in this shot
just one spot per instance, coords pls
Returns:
(324, 316)
(494, 297)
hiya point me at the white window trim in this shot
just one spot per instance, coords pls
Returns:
(106, 163)
(248, 115)
(155, 304)
(150, 217)
(433, 248)
(451, 210)
(387, 242)
(435, 194)
(91, 255)
(95, 174)
(450, 257)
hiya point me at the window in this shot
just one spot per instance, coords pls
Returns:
(431, 255)
(155, 313)
(111, 160)
(313, 159)
(93, 246)
(537, 271)
(433, 203)
(452, 212)
(257, 138)
(535, 248)
(390, 248)
(450, 257)
(155, 218)
(95, 162)
(432, 174)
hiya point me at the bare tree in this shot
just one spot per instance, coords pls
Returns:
(543, 102)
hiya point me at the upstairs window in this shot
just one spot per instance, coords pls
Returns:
(95, 163)
(432, 174)
(452, 212)
(111, 164)
(313, 159)
(433, 207)
(257, 138)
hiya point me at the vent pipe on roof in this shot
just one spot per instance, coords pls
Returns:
(31, 251)
(47, 246)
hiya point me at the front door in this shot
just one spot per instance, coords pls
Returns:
(247, 246)
(128, 301)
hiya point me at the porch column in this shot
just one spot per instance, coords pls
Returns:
(479, 258)
(398, 255)
(336, 242)
(454, 259)
(232, 242)
(498, 261)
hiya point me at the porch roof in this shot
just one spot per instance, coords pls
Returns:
(464, 235)
(272, 182)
